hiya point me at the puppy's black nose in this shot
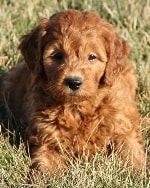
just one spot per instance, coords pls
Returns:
(73, 83)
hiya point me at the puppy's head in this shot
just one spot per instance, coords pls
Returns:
(76, 52)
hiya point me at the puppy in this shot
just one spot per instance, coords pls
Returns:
(74, 93)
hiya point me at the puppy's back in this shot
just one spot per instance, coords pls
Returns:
(14, 89)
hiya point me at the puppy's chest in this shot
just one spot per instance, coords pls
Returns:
(71, 117)
(78, 126)
(75, 126)
(76, 116)
(77, 120)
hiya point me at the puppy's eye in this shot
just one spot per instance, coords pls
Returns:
(92, 57)
(58, 56)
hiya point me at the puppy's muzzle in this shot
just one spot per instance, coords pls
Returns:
(74, 83)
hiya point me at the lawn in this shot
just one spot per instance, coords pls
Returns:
(132, 19)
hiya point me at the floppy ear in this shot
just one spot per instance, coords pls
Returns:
(30, 45)
(118, 53)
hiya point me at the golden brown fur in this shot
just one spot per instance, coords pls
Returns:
(96, 110)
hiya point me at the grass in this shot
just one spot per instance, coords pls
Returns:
(131, 17)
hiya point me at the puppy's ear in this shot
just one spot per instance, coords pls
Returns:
(30, 45)
(118, 53)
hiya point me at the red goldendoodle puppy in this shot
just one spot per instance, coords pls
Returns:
(75, 91)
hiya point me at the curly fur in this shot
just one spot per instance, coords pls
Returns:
(59, 120)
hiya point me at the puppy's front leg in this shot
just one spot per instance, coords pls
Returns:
(130, 148)
(47, 161)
